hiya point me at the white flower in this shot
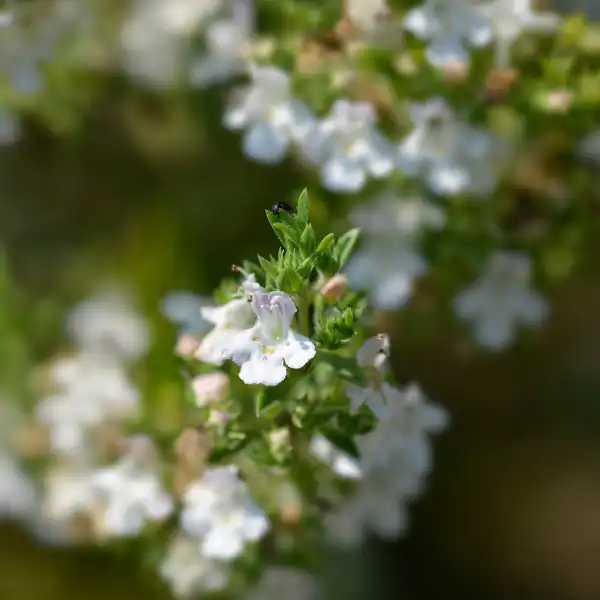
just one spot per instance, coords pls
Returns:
(366, 13)
(108, 324)
(269, 113)
(501, 301)
(390, 214)
(452, 156)
(387, 269)
(279, 583)
(395, 459)
(89, 393)
(219, 512)
(388, 261)
(340, 463)
(151, 38)
(210, 388)
(226, 42)
(183, 308)
(229, 321)
(347, 148)
(188, 572)
(262, 350)
(131, 495)
(449, 27)
(509, 18)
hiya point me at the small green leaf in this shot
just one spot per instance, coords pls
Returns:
(302, 208)
(268, 267)
(270, 412)
(325, 243)
(345, 245)
(308, 240)
(272, 221)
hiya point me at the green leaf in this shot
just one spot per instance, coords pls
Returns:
(272, 221)
(289, 235)
(325, 243)
(270, 412)
(268, 267)
(302, 209)
(345, 245)
(308, 240)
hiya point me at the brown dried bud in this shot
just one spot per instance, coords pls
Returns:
(335, 288)
(455, 71)
(499, 83)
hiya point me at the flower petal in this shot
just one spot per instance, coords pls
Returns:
(298, 351)
(263, 369)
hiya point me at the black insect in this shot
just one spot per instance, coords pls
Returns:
(282, 206)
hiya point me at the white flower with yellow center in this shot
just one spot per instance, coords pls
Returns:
(262, 350)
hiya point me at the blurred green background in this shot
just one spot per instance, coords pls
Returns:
(153, 192)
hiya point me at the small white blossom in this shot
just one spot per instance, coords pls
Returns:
(388, 261)
(450, 28)
(264, 350)
(131, 495)
(339, 462)
(210, 388)
(452, 156)
(278, 583)
(270, 115)
(226, 39)
(501, 301)
(387, 269)
(219, 512)
(509, 18)
(184, 309)
(380, 396)
(89, 393)
(153, 32)
(188, 572)
(108, 324)
(395, 459)
(347, 148)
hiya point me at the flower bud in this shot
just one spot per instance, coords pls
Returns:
(186, 345)
(335, 288)
(211, 388)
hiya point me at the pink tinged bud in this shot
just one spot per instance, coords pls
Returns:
(211, 388)
(187, 345)
(335, 288)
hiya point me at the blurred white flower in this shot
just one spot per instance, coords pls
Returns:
(219, 512)
(449, 27)
(210, 388)
(268, 112)
(452, 156)
(108, 324)
(184, 309)
(392, 214)
(379, 396)
(387, 270)
(589, 147)
(227, 40)
(501, 300)
(347, 148)
(388, 260)
(395, 459)
(262, 350)
(153, 32)
(89, 393)
(131, 494)
(188, 572)
(278, 583)
(342, 464)
(509, 18)
(366, 13)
